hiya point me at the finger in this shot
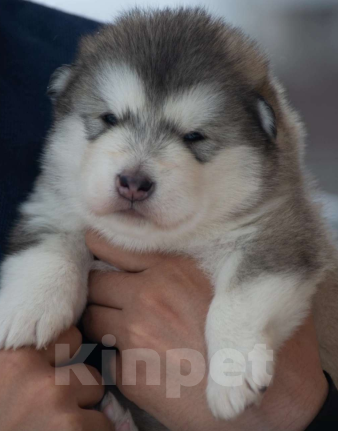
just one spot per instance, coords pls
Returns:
(96, 421)
(118, 257)
(71, 340)
(101, 322)
(86, 382)
(113, 289)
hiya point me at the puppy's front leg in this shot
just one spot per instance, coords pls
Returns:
(43, 289)
(246, 324)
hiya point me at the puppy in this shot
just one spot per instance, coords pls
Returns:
(170, 134)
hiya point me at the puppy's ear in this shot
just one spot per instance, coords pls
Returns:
(267, 117)
(58, 81)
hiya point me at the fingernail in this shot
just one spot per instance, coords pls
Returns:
(125, 426)
(109, 411)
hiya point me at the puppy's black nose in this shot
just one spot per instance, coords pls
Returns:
(134, 187)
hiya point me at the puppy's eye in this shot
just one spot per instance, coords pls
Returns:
(109, 119)
(193, 137)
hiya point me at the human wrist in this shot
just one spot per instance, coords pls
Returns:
(291, 406)
(292, 402)
(298, 409)
(299, 389)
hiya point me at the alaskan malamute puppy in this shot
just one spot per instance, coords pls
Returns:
(170, 134)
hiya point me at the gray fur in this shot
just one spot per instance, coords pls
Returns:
(21, 238)
(174, 50)
(158, 45)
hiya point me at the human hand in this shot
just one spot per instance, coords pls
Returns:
(160, 303)
(30, 399)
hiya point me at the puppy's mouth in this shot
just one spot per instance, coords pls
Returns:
(130, 213)
(139, 214)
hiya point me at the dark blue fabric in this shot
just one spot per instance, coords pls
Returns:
(34, 41)
(327, 418)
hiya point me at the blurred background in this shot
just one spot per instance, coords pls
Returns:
(301, 38)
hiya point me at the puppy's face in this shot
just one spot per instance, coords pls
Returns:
(159, 147)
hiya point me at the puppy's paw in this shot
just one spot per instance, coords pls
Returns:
(41, 296)
(121, 418)
(33, 323)
(234, 386)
